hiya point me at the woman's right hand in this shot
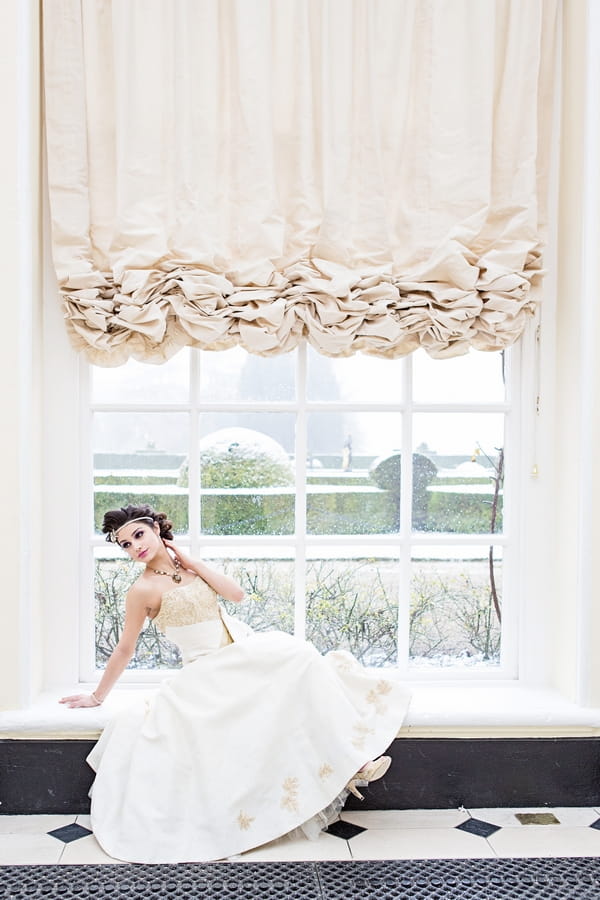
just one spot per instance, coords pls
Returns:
(79, 701)
(184, 561)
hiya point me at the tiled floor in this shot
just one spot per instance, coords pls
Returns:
(388, 834)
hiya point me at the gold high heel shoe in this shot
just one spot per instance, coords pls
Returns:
(371, 772)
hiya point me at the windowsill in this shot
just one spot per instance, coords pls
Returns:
(449, 710)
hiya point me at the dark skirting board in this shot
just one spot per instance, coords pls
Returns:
(51, 776)
(446, 773)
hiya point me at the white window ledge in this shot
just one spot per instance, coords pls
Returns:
(436, 710)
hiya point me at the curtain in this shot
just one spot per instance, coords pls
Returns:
(368, 175)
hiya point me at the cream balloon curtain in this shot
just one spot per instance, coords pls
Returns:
(363, 174)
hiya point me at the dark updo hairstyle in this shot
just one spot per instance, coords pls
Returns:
(116, 518)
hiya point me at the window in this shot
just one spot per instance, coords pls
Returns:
(361, 502)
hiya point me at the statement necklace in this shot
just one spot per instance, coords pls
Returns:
(174, 575)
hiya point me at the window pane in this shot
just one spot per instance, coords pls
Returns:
(139, 458)
(457, 472)
(353, 379)
(476, 377)
(228, 376)
(353, 605)
(113, 576)
(453, 616)
(269, 586)
(245, 469)
(247, 474)
(136, 382)
(346, 490)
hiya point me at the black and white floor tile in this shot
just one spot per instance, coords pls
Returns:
(385, 834)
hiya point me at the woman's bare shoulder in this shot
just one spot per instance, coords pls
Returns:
(142, 590)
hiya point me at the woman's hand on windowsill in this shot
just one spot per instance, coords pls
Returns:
(80, 701)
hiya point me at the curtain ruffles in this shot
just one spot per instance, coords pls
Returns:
(153, 313)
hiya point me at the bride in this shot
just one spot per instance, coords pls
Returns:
(256, 735)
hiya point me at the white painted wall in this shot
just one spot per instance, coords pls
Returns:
(577, 386)
(20, 352)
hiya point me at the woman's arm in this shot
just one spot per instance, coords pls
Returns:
(136, 605)
(225, 586)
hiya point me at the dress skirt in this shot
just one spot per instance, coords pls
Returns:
(239, 747)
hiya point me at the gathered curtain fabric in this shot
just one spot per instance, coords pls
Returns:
(367, 175)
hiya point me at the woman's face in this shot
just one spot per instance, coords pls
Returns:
(140, 540)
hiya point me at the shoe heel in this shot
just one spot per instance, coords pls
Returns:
(351, 786)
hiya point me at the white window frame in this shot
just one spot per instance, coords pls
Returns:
(301, 543)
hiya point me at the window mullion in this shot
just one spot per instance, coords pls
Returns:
(300, 501)
(194, 498)
(87, 618)
(405, 518)
(510, 513)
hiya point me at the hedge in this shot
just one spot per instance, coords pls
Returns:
(340, 512)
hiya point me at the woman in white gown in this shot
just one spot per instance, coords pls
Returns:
(256, 735)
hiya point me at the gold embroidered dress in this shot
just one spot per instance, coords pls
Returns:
(254, 737)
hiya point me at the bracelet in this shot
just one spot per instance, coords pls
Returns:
(98, 702)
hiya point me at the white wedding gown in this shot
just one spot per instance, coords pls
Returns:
(256, 735)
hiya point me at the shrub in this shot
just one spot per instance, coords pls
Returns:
(241, 458)
(350, 604)
(385, 471)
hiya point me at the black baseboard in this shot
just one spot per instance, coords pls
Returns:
(446, 773)
(44, 776)
(426, 773)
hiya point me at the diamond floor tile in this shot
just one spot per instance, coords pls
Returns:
(478, 827)
(69, 833)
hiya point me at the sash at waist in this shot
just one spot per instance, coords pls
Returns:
(198, 639)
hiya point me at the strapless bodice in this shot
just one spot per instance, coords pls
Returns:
(187, 604)
(190, 616)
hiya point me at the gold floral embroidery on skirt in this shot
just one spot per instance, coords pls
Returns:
(325, 771)
(290, 794)
(374, 696)
(361, 731)
(343, 663)
(245, 821)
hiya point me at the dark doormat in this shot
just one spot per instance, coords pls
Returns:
(438, 879)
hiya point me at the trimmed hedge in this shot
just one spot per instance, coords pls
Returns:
(340, 513)
(174, 505)
(136, 479)
(351, 513)
(254, 514)
(347, 512)
(462, 513)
